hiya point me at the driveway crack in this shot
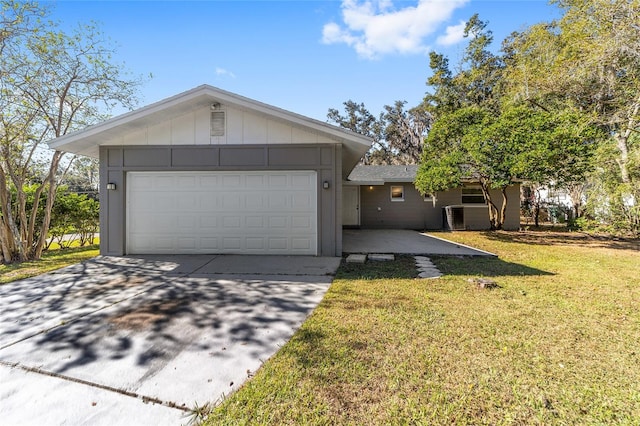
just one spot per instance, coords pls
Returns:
(144, 398)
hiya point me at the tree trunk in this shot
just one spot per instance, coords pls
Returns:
(575, 194)
(51, 196)
(494, 221)
(536, 207)
(622, 142)
(623, 161)
(12, 246)
(503, 208)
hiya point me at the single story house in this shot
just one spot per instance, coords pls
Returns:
(385, 197)
(209, 171)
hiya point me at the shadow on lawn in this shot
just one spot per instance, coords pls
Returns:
(404, 267)
(484, 266)
(566, 238)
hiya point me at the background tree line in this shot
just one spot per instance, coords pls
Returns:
(558, 105)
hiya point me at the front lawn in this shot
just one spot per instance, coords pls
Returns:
(558, 342)
(51, 259)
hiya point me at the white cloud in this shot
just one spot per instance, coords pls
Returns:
(453, 34)
(221, 72)
(376, 28)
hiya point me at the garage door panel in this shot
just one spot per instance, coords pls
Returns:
(255, 202)
(187, 223)
(254, 222)
(300, 243)
(231, 222)
(222, 212)
(255, 181)
(209, 244)
(301, 222)
(231, 181)
(186, 182)
(301, 201)
(186, 243)
(277, 180)
(301, 182)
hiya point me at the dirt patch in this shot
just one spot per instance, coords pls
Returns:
(148, 315)
(118, 283)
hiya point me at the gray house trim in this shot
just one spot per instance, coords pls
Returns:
(116, 161)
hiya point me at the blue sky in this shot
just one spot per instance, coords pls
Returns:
(303, 56)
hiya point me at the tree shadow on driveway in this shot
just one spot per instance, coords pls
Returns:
(174, 337)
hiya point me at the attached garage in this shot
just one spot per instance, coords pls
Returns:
(211, 172)
(258, 212)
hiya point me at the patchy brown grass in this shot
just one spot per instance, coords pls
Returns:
(556, 343)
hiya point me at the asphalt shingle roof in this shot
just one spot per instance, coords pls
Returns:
(362, 173)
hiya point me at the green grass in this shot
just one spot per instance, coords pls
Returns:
(557, 343)
(51, 259)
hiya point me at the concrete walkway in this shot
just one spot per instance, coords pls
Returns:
(400, 241)
(143, 340)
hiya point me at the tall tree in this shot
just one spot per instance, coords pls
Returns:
(358, 119)
(589, 61)
(398, 133)
(480, 134)
(464, 106)
(51, 83)
(404, 132)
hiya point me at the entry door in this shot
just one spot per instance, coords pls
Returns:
(351, 206)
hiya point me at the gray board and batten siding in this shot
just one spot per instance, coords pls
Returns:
(323, 159)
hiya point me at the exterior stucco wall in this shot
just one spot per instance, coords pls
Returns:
(116, 161)
(378, 211)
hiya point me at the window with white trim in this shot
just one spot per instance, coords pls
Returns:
(472, 195)
(397, 193)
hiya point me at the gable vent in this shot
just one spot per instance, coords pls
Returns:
(217, 123)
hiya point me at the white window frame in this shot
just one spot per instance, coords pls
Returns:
(397, 199)
(477, 193)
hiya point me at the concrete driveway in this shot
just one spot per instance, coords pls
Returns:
(142, 340)
(400, 241)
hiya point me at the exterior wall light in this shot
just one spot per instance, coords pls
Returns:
(111, 186)
(325, 184)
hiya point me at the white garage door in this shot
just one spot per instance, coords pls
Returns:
(222, 212)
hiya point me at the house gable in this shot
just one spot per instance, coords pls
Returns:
(208, 171)
(185, 119)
